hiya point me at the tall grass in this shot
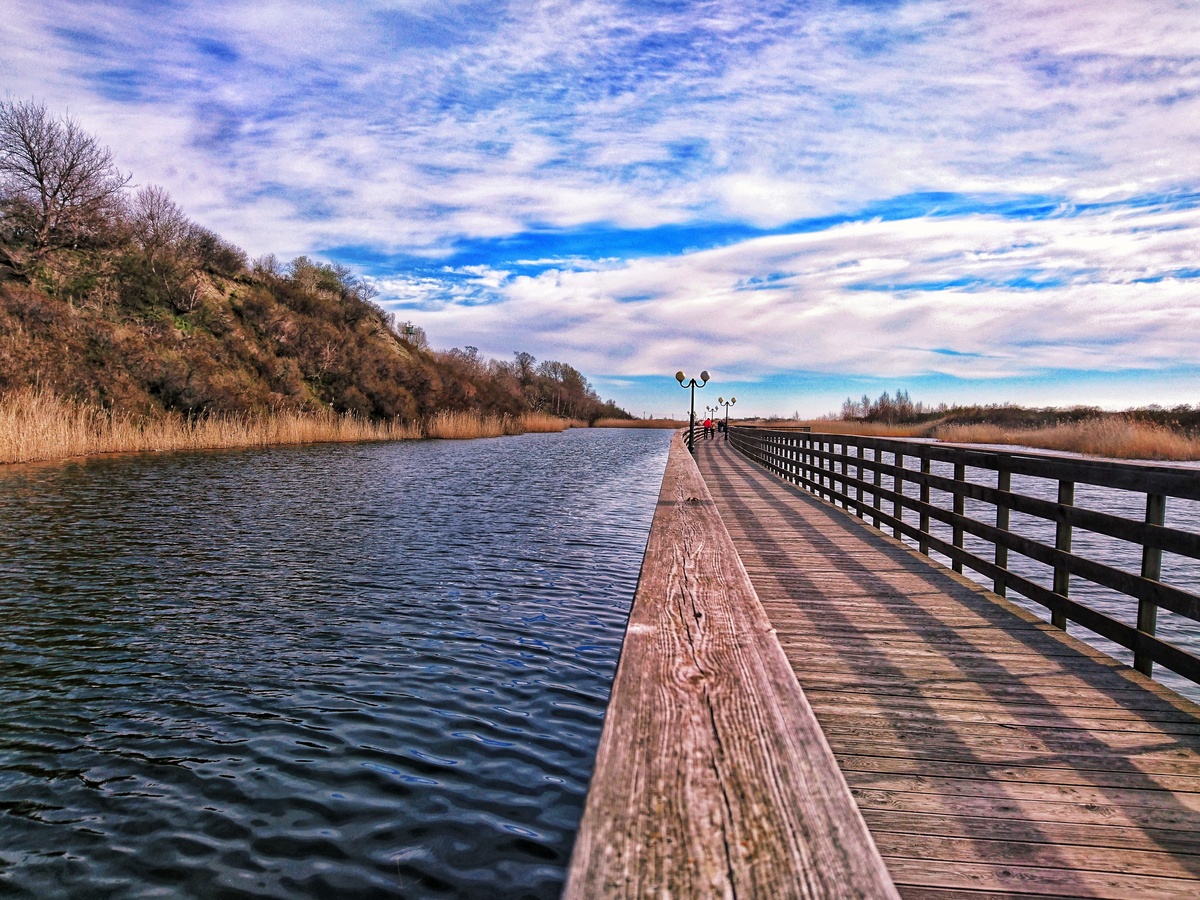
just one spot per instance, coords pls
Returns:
(640, 423)
(454, 426)
(544, 423)
(35, 424)
(838, 426)
(1115, 437)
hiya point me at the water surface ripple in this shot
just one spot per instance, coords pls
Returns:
(369, 670)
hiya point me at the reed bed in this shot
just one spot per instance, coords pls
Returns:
(461, 426)
(36, 425)
(544, 423)
(1116, 437)
(837, 426)
(640, 423)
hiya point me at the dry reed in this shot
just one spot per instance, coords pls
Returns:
(640, 423)
(36, 425)
(460, 426)
(837, 426)
(544, 423)
(1116, 437)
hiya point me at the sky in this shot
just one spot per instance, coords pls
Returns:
(977, 202)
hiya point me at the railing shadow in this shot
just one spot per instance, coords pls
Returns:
(828, 530)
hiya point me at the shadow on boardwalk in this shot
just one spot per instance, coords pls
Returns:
(987, 751)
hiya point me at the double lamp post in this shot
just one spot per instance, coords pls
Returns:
(685, 382)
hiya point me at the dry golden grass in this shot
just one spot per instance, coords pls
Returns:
(837, 426)
(1116, 437)
(639, 423)
(462, 426)
(37, 425)
(544, 423)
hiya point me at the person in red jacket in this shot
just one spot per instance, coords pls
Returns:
(708, 428)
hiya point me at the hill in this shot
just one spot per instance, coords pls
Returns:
(117, 300)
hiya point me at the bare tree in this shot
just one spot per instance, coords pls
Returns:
(58, 185)
(159, 225)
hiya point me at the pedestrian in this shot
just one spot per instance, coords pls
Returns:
(708, 428)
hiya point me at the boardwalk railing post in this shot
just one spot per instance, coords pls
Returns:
(1147, 620)
(1062, 541)
(1003, 483)
(840, 484)
(827, 465)
(898, 488)
(858, 477)
(960, 477)
(878, 479)
(924, 545)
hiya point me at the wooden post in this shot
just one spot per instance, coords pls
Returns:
(898, 487)
(1062, 541)
(1003, 483)
(858, 475)
(924, 545)
(960, 477)
(1147, 621)
(878, 480)
(831, 468)
(842, 486)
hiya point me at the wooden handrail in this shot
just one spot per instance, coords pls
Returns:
(713, 778)
(822, 464)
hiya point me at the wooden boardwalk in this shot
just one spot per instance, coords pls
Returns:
(712, 777)
(989, 753)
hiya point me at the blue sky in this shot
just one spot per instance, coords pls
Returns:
(978, 202)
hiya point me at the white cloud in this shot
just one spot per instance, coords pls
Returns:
(415, 127)
(897, 299)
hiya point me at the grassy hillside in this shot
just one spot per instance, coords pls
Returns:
(116, 300)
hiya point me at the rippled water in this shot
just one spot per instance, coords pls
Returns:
(351, 670)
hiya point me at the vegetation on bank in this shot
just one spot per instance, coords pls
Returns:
(1144, 433)
(119, 310)
(37, 425)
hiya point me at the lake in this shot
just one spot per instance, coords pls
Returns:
(361, 670)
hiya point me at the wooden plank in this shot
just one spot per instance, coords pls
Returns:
(931, 764)
(1013, 705)
(952, 783)
(1025, 880)
(712, 776)
(1056, 855)
(934, 827)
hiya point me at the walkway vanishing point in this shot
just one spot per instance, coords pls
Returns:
(808, 707)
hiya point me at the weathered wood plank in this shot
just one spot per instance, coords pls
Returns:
(1025, 880)
(1058, 855)
(712, 776)
(924, 764)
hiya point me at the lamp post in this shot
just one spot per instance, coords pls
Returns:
(685, 382)
(727, 403)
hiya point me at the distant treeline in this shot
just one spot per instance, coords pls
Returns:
(115, 298)
(899, 409)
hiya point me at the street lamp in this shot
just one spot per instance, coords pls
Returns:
(727, 403)
(685, 382)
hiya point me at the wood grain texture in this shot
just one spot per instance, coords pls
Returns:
(990, 753)
(712, 778)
